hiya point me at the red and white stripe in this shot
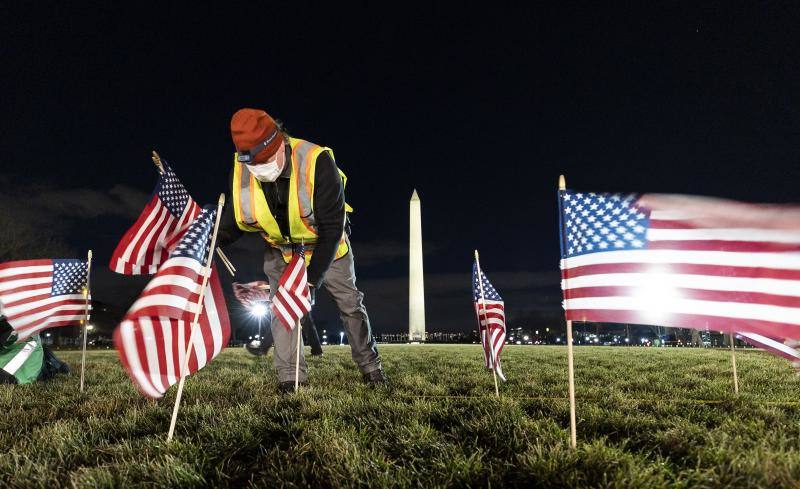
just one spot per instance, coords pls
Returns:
(173, 291)
(492, 325)
(147, 244)
(783, 349)
(153, 348)
(708, 264)
(27, 303)
(292, 299)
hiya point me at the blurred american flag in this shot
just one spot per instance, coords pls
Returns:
(681, 261)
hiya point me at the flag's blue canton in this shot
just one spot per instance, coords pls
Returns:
(602, 222)
(172, 192)
(197, 241)
(489, 293)
(301, 250)
(69, 277)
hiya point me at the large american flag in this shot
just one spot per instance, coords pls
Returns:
(292, 300)
(153, 337)
(40, 294)
(491, 315)
(681, 261)
(164, 219)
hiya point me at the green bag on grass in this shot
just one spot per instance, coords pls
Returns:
(22, 361)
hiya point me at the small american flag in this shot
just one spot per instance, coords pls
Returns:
(160, 226)
(153, 337)
(40, 294)
(681, 261)
(490, 311)
(292, 300)
(251, 293)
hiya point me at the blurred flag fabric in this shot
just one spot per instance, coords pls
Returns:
(682, 261)
(251, 293)
(491, 319)
(780, 347)
(40, 294)
(154, 334)
(292, 300)
(160, 226)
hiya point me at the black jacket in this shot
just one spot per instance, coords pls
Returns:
(328, 212)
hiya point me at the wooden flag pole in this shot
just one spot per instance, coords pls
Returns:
(206, 275)
(157, 162)
(489, 339)
(297, 360)
(226, 262)
(299, 337)
(733, 360)
(573, 436)
(86, 319)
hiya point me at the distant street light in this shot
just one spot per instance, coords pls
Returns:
(341, 337)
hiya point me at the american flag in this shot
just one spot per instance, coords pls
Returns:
(491, 314)
(153, 337)
(251, 293)
(681, 261)
(292, 300)
(148, 243)
(40, 294)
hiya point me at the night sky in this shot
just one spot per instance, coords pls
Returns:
(479, 110)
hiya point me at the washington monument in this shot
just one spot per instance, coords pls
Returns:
(416, 286)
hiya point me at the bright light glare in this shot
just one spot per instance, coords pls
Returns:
(657, 298)
(259, 310)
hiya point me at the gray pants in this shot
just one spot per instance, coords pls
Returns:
(340, 282)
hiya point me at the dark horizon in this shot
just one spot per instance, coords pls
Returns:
(479, 110)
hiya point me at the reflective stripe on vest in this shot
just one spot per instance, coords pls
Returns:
(302, 189)
(243, 201)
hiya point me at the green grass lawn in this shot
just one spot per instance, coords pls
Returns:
(640, 423)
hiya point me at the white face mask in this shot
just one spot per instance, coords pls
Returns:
(267, 172)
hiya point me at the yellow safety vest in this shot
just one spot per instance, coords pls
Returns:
(253, 214)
